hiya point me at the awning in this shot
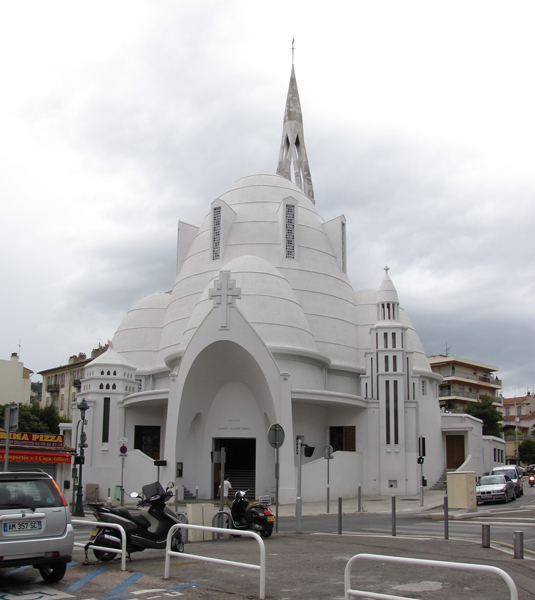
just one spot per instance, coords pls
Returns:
(36, 457)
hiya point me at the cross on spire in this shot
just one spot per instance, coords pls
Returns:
(224, 293)
(293, 40)
(387, 269)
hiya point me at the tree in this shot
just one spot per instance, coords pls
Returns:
(526, 451)
(488, 413)
(34, 419)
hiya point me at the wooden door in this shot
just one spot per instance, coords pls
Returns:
(454, 451)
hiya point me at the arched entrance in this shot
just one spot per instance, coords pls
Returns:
(240, 464)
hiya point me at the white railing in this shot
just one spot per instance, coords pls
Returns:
(122, 551)
(261, 567)
(420, 562)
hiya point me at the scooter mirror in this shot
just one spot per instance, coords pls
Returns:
(134, 495)
(170, 485)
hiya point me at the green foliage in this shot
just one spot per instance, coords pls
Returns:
(488, 413)
(34, 419)
(526, 451)
(37, 387)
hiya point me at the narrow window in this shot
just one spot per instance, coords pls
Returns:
(396, 414)
(371, 376)
(290, 231)
(395, 364)
(388, 310)
(413, 391)
(216, 233)
(386, 364)
(106, 421)
(424, 388)
(393, 340)
(387, 408)
(366, 387)
(344, 267)
(385, 340)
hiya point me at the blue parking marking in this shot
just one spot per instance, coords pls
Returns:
(135, 595)
(84, 580)
(125, 584)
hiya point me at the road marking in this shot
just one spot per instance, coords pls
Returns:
(172, 591)
(30, 593)
(125, 584)
(85, 580)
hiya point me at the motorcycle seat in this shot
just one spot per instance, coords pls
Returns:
(140, 520)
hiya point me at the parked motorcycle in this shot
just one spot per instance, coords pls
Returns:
(254, 517)
(137, 527)
(531, 480)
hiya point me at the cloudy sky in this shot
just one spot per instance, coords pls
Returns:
(119, 118)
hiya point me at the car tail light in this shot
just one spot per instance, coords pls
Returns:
(60, 494)
(267, 512)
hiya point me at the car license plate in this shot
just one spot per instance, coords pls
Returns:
(271, 518)
(94, 533)
(23, 526)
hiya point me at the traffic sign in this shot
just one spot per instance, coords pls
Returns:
(123, 449)
(122, 441)
(276, 435)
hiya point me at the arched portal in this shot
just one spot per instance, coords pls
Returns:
(225, 401)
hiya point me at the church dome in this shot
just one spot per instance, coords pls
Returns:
(253, 225)
(138, 336)
(268, 303)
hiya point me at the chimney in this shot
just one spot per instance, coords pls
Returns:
(14, 357)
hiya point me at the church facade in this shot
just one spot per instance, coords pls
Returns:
(263, 326)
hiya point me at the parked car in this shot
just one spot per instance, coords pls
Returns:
(512, 472)
(35, 524)
(495, 488)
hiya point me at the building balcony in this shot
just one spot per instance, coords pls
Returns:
(52, 388)
(457, 394)
(77, 383)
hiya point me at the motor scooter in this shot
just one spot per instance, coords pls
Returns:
(139, 534)
(255, 517)
(531, 480)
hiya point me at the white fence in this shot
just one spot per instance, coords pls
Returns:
(122, 552)
(420, 562)
(261, 567)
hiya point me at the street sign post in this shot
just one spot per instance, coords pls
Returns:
(276, 440)
(328, 455)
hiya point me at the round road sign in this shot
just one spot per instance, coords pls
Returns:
(123, 449)
(276, 435)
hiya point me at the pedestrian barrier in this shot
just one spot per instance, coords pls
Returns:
(122, 552)
(421, 562)
(222, 520)
(237, 532)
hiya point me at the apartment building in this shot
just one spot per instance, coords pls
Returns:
(61, 384)
(464, 381)
(15, 384)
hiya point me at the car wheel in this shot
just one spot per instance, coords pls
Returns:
(53, 573)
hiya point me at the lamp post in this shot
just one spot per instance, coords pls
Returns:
(79, 508)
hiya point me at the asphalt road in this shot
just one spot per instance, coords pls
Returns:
(310, 566)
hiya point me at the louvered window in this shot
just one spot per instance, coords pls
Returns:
(290, 231)
(216, 234)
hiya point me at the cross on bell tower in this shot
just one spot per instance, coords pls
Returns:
(224, 293)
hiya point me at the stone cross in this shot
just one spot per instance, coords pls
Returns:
(223, 294)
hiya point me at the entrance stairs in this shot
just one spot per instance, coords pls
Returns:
(242, 480)
(441, 483)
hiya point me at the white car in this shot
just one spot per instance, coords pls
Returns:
(495, 488)
(35, 524)
(512, 472)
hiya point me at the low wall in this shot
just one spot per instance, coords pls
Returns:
(345, 474)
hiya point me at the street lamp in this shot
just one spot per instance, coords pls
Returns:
(79, 459)
(308, 452)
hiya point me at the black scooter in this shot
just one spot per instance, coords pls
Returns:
(255, 517)
(137, 527)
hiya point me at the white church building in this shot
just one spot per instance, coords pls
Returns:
(263, 326)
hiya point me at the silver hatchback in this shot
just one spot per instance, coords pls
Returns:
(35, 524)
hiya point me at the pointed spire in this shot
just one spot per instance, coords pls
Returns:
(293, 155)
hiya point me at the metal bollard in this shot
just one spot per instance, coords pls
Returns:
(446, 520)
(360, 498)
(394, 516)
(339, 516)
(485, 535)
(519, 544)
(197, 493)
